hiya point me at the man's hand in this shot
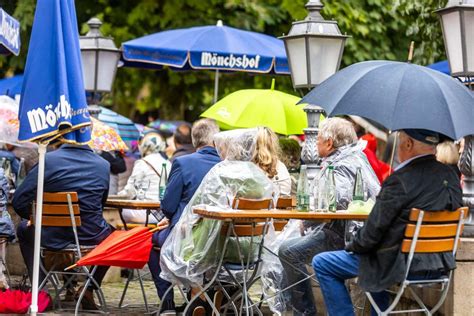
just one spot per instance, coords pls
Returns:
(163, 223)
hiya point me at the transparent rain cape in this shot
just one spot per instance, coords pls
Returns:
(195, 244)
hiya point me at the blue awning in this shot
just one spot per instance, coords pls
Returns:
(9, 34)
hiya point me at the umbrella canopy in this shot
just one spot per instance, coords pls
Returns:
(53, 103)
(105, 138)
(259, 107)
(9, 34)
(125, 127)
(167, 127)
(11, 86)
(215, 47)
(399, 96)
(124, 248)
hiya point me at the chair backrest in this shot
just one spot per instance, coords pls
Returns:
(429, 231)
(252, 204)
(285, 202)
(255, 227)
(57, 209)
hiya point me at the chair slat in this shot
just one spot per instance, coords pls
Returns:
(278, 225)
(438, 216)
(251, 204)
(59, 197)
(59, 209)
(285, 202)
(60, 221)
(245, 230)
(432, 231)
(432, 245)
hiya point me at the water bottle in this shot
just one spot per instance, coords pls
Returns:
(302, 190)
(331, 190)
(358, 193)
(163, 181)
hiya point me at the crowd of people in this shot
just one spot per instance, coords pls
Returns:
(212, 167)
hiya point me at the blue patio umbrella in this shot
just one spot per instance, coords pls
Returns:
(441, 66)
(9, 34)
(123, 125)
(53, 104)
(11, 86)
(211, 47)
(399, 96)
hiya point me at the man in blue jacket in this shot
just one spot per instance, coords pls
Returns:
(71, 168)
(185, 177)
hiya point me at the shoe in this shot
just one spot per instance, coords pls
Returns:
(70, 295)
(87, 301)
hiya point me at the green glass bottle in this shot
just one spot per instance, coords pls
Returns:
(163, 181)
(302, 190)
(358, 193)
(331, 190)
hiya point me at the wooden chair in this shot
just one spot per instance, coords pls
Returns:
(283, 203)
(61, 209)
(427, 232)
(248, 265)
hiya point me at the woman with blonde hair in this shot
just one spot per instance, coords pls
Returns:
(447, 152)
(266, 154)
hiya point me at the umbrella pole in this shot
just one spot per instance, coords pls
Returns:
(394, 148)
(216, 85)
(38, 214)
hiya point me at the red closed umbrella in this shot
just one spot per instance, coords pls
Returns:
(124, 248)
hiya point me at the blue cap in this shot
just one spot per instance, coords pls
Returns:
(424, 136)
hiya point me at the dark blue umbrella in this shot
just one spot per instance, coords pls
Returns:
(211, 47)
(53, 103)
(123, 125)
(441, 66)
(9, 34)
(11, 86)
(398, 95)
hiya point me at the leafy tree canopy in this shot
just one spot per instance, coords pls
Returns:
(379, 29)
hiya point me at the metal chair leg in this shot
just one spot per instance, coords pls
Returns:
(129, 278)
(143, 290)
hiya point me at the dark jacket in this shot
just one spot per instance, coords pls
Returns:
(182, 150)
(185, 177)
(425, 184)
(77, 169)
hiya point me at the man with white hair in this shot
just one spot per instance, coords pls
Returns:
(337, 145)
(374, 254)
(185, 177)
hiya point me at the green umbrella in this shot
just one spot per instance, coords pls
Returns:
(259, 107)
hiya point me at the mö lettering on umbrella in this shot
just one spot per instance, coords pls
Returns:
(40, 119)
(229, 61)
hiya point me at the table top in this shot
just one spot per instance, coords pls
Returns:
(133, 204)
(277, 214)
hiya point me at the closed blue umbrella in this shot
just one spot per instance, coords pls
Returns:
(398, 96)
(123, 125)
(53, 103)
(211, 47)
(9, 34)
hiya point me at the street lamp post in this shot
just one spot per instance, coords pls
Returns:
(100, 57)
(457, 21)
(314, 48)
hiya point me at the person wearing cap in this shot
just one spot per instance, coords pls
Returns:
(374, 255)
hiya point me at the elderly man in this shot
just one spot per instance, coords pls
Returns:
(374, 254)
(69, 169)
(337, 145)
(186, 175)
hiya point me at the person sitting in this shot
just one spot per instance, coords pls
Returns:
(374, 254)
(146, 171)
(71, 168)
(447, 152)
(291, 158)
(192, 248)
(185, 177)
(182, 142)
(267, 152)
(337, 145)
(117, 166)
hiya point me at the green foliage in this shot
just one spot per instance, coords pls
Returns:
(379, 29)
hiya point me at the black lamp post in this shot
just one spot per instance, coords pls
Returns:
(100, 57)
(314, 48)
(457, 21)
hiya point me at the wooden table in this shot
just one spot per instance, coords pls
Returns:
(278, 214)
(121, 204)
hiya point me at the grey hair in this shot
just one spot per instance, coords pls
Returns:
(341, 131)
(203, 131)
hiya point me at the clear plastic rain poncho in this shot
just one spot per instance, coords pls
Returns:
(345, 160)
(194, 246)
